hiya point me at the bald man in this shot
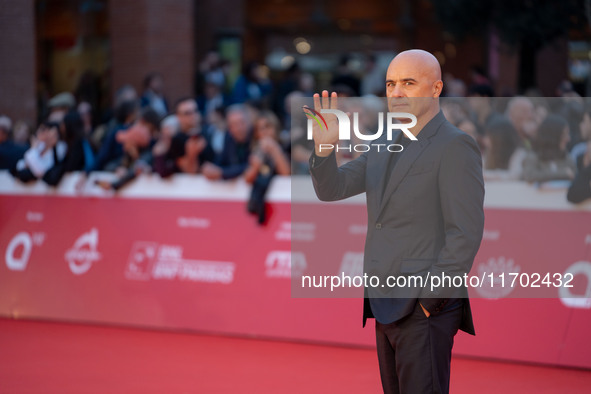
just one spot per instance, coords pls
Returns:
(521, 113)
(425, 217)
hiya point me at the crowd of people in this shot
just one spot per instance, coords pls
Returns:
(543, 141)
(225, 132)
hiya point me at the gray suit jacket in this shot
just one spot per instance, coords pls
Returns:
(427, 219)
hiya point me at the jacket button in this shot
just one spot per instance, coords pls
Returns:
(379, 226)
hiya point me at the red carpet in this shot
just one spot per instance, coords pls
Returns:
(43, 357)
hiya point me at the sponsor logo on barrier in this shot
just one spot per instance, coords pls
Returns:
(352, 264)
(141, 260)
(285, 264)
(149, 260)
(193, 222)
(296, 231)
(283, 233)
(358, 229)
(496, 269)
(34, 216)
(84, 253)
(491, 235)
(566, 297)
(19, 249)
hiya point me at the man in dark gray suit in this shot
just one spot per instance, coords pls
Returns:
(425, 217)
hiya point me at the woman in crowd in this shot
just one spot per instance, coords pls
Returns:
(504, 154)
(580, 188)
(549, 160)
(578, 150)
(45, 157)
(80, 154)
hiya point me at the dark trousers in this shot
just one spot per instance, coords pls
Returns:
(414, 353)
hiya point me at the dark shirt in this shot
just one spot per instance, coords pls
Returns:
(110, 150)
(77, 157)
(10, 154)
(233, 159)
(165, 165)
(580, 188)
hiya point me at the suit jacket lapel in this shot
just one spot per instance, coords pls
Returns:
(412, 152)
(383, 160)
(410, 155)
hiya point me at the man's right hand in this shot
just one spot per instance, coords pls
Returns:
(325, 138)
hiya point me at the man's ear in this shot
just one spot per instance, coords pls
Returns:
(437, 88)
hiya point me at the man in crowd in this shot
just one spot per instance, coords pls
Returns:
(187, 149)
(233, 159)
(10, 153)
(521, 113)
(153, 96)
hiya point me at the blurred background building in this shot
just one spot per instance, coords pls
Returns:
(93, 47)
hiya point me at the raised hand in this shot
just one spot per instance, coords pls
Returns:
(326, 135)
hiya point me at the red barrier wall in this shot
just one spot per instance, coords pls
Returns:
(202, 263)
